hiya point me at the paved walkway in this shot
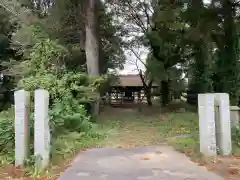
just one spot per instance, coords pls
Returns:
(142, 163)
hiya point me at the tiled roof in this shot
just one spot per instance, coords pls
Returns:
(130, 80)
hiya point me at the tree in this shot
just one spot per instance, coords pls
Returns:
(215, 46)
(136, 22)
(165, 40)
(146, 78)
(92, 42)
(96, 37)
(227, 65)
(198, 37)
(64, 20)
(92, 38)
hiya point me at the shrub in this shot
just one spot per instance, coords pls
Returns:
(67, 92)
(68, 117)
(7, 131)
(236, 136)
(45, 69)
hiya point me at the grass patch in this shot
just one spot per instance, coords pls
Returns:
(236, 141)
(188, 146)
(132, 128)
(69, 144)
(186, 131)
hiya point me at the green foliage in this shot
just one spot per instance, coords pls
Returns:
(46, 69)
(7, 131)
(112, 55)
(66, 23)
(54, 59)
(69, 117)
(63, 87)
(236, 136)
(67, 145)
(46, 56)
(155, 68)
(69, 92)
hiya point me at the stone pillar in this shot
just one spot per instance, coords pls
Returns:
(234, 116)
(41, 129)
(207, 124)
(223, 124)
(22, 114)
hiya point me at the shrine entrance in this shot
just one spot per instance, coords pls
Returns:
(128, 91)
(128, 96)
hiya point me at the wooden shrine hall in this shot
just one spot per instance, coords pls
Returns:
(127, 90)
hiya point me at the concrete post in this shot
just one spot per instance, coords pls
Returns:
(207, 124)
(41, 128)
(22, 114)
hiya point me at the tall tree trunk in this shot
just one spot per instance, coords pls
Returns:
(148, 93)
(92, 39)
(147, 87)
(165, 94)
(92, 43)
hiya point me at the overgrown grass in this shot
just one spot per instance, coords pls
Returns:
(187, 124)
(133, 128)
(236, 141)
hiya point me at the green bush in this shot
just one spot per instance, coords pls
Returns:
(7, 131)
(67, 92)
(236, 136)
(64, 117)
(45, 69)
(69, 117)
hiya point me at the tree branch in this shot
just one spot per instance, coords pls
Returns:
(136, 17)
(143, 79)
(146, 8)
(137, 56)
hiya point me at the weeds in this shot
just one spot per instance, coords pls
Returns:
(236, 140)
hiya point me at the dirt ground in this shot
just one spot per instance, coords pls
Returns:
(227, 167)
